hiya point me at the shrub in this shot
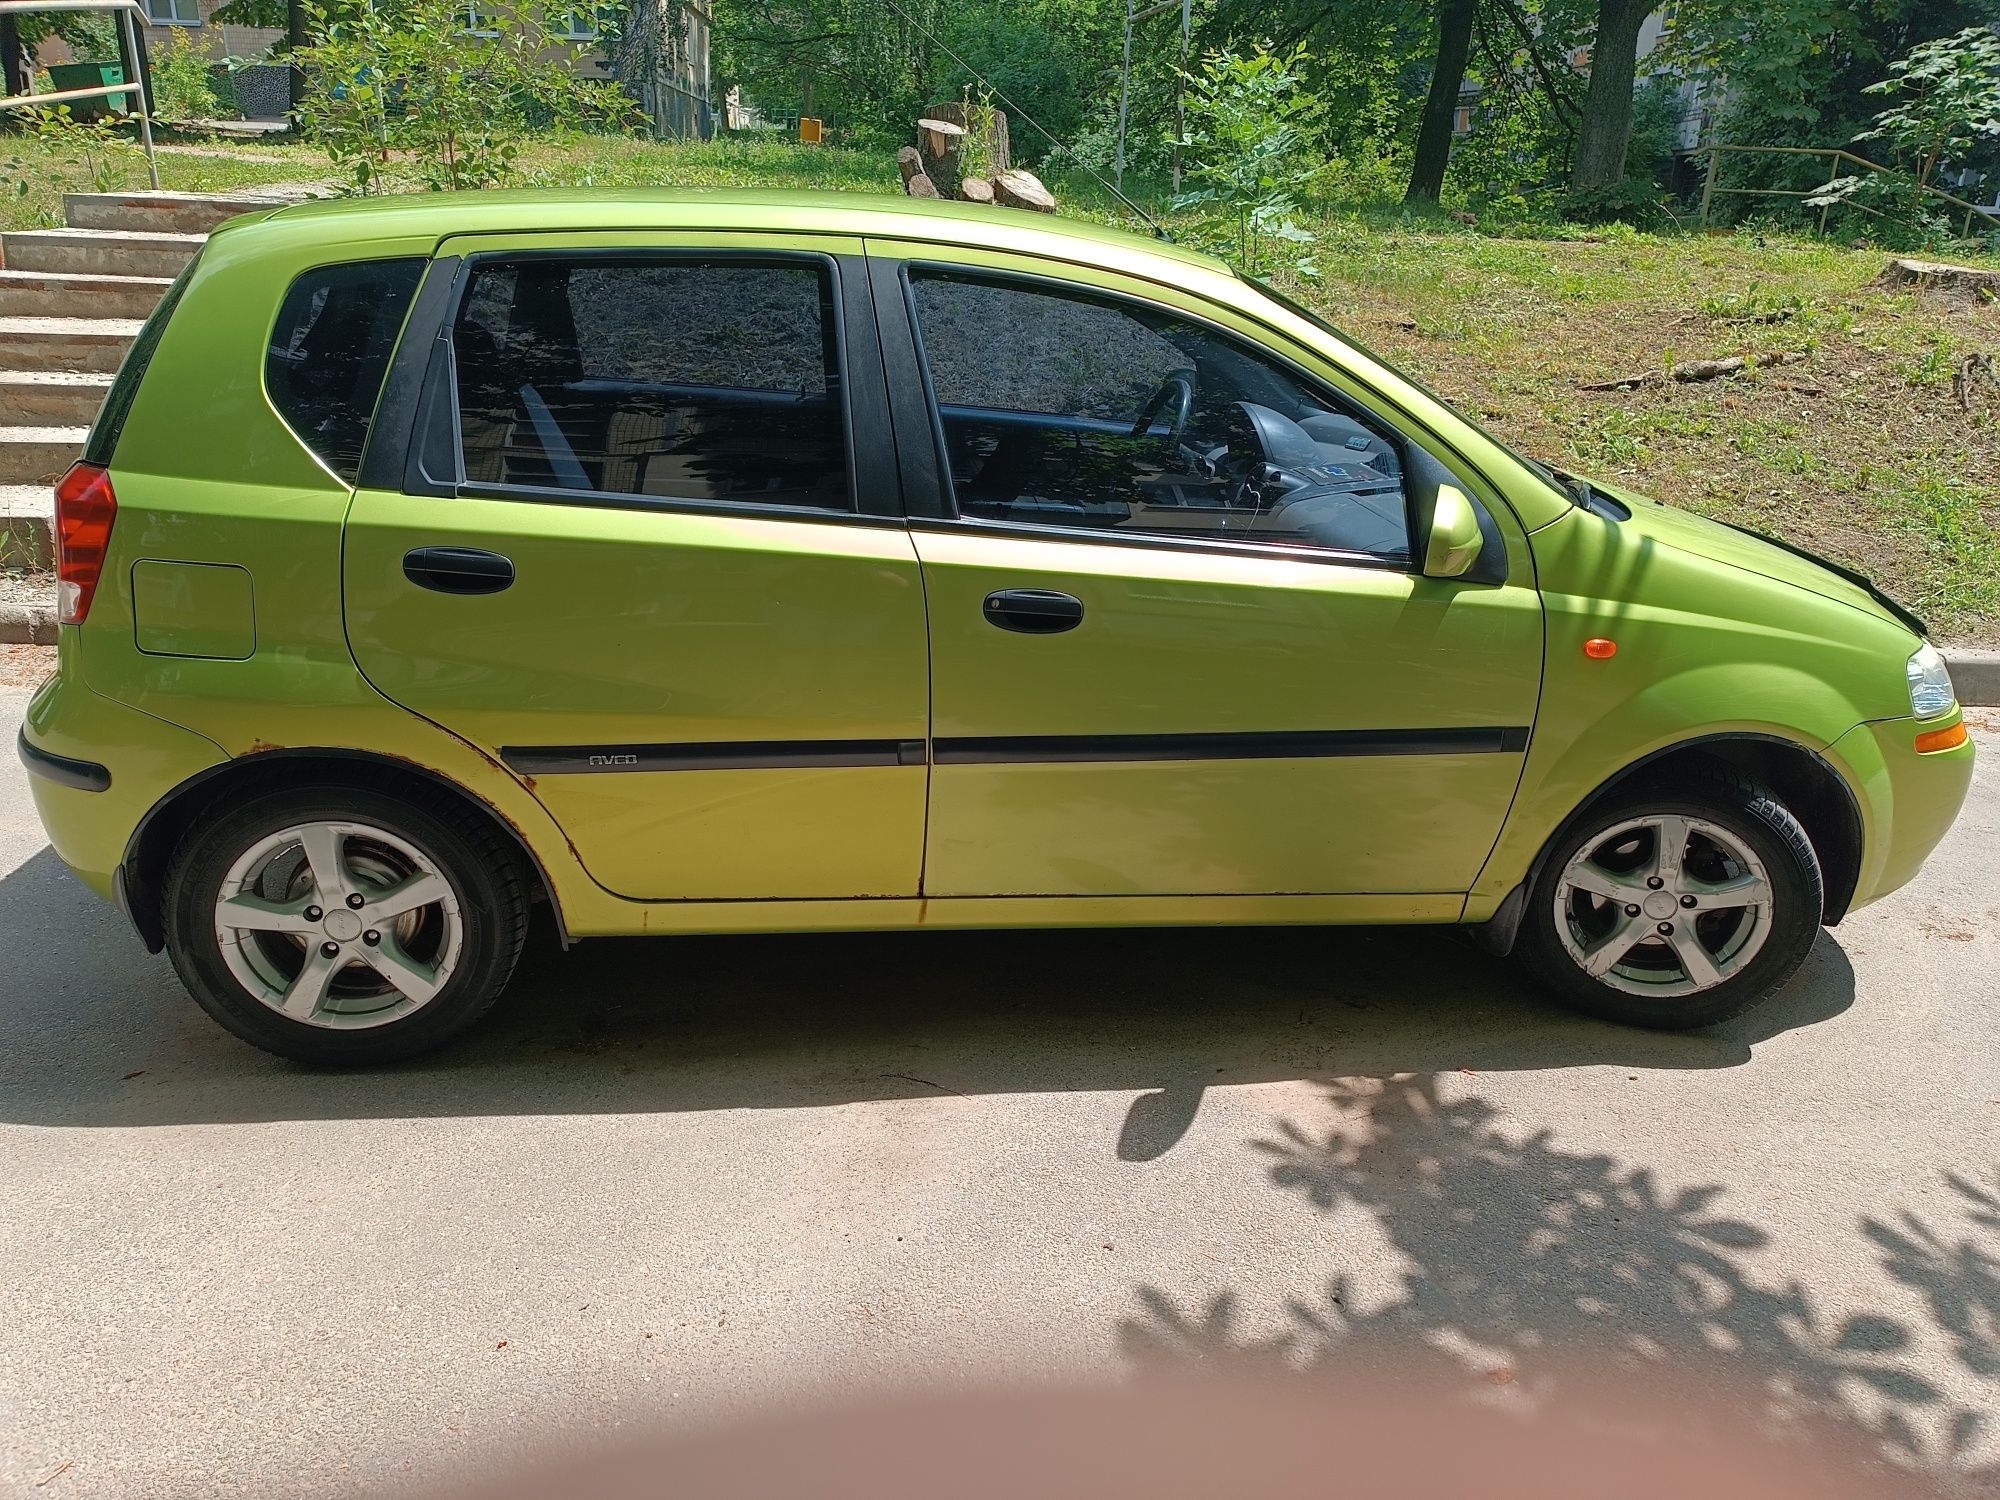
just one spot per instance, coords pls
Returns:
(181, 88)
(402, 94)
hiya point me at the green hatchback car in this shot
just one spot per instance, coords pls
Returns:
(719, 562)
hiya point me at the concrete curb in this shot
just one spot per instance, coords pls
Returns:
(27, 625)
(1976, 676)
(1974, 673)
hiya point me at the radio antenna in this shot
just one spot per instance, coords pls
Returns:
(1159, 229)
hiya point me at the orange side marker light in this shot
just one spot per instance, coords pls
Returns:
(1932, 740)
(1597, 648)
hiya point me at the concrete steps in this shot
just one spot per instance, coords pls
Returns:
(71, 302)
(97, 252)
(38, 455)
(51, 295)
(173, 213)
(51, 398)
(93, 344)
(27, 524)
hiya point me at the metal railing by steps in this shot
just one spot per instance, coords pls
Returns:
(71, 302)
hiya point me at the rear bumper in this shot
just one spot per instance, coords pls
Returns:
(96, 768)
(1908, 800)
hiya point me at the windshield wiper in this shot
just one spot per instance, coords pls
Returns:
(1576, 487)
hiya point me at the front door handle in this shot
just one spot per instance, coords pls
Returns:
(1034, 611)
(458, 570)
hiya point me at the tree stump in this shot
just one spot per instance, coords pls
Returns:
(1969, 281)
(940, 142)
(980, 151)
(975, 190)
(1018, 189)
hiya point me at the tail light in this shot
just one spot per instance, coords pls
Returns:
(85, 509)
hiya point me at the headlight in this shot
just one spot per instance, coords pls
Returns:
(1930, 683)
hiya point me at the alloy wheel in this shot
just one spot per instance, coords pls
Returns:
(1664, 906)
(339, 925)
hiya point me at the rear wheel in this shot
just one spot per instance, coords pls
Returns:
(335, 925)
(1674, 908)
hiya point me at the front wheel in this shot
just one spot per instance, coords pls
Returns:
(1674, 908)
(340, 925)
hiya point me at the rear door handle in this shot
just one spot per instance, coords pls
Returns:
(1034, 611)
(458, 570)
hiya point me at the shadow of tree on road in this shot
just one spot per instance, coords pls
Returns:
(1525, 1262)
(1958, 1280)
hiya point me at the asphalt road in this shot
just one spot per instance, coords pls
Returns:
(675, 1180)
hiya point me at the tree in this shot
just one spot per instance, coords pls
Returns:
(1456, 20)
(1246, 150)
(1797, 71)
(860, 61)
(1605, 131)
(1944, 99)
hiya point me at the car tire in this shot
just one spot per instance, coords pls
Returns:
(281, 918)
(1717, 952)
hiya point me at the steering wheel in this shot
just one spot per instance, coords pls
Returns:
(1177, 388)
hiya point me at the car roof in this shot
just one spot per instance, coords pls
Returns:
(828, 212)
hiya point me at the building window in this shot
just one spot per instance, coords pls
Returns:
(173, 12)
(1461, 120)
(582, 23)
(478, 19)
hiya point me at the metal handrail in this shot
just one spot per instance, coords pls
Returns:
(129, 14)
(1714, 151)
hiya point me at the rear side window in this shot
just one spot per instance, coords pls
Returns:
(667, 379)
(103, 439)
(330, 351)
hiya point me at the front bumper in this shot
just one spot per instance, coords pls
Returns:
(96, 768)
(1908, 800)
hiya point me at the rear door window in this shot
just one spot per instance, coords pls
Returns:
(330, 350)
(664, 378)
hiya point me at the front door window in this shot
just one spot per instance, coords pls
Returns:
(1062, 409)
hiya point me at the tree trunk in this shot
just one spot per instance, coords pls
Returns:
(13, 77)
(296, 36)
(1455, 20)
(1606, 129)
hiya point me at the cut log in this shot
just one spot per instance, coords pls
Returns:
(1696, 370)
(976, 190)
(1018, 189)
(1970, 280)
(916, 181)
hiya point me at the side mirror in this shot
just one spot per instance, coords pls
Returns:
(1455, 541)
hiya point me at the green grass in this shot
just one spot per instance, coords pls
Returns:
(1861, 451)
